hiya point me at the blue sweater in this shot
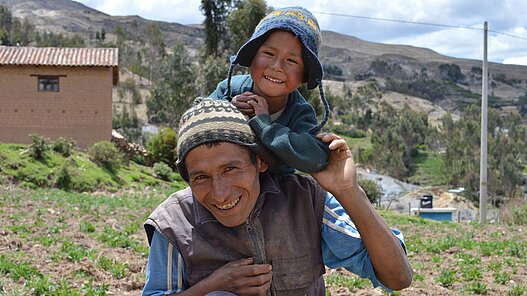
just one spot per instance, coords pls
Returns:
(291, 136)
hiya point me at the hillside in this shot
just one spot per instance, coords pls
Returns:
(447, 82)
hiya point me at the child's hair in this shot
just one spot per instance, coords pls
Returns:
(304, 25)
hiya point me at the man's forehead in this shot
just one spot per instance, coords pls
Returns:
(205, 157)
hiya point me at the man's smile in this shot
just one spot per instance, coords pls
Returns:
(230, 205)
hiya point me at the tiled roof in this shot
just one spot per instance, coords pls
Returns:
(56, 56)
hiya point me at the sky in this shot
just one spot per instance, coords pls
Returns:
(449, 27)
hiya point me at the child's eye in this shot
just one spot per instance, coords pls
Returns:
(268, 53)
(293, 61)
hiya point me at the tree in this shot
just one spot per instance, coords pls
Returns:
(522, 104)
(156, 49)
(215, 12)
(173, 93)
(210, 71)
(242, 21)
(6, 21)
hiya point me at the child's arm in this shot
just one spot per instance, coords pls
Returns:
(290, 139)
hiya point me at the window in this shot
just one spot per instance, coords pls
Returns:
(48, 83)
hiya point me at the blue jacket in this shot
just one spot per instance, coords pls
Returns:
(291, 137)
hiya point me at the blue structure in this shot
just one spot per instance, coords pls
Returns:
(438, 214)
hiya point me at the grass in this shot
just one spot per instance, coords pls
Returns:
(428, 169)
(364, 143)
(83, 175)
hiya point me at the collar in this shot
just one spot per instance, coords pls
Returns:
(268, 187)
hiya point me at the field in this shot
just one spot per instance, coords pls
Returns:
(54, 242)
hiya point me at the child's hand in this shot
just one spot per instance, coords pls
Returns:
(241, 102)
(259, 105)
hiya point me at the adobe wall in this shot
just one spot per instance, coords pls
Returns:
(81, 110)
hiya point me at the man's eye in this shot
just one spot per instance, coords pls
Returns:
(199, 177)
(230, 169)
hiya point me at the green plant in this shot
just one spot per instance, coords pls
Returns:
(162, 171)
(63, 146)
(63, 178)
(350, 282)
(446, 278)
(472, 273)
(373, 191)
(106, 155)
(419, 277)
(39, 147)
(72, 252)
(477, 288)
(17, 270)
(502, 278)
(516, 290)
(86, 226)
(118, 270)
(163, 146)
(89, 289)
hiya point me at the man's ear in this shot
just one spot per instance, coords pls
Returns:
(262, 165)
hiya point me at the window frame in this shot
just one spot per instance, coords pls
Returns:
(48, 83)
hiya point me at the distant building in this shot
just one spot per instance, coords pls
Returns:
(57, 92)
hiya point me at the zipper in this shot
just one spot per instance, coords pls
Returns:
(259, 251)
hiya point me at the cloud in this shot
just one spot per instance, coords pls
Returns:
(522, 60)
(368, 20)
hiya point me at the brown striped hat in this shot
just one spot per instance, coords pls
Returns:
(212, 121)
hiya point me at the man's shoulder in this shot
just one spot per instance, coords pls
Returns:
(295, 182)
(175, 200)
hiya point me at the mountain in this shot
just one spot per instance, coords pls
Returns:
(409, 71)
(70, 17)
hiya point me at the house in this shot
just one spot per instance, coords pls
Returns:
(57, 92)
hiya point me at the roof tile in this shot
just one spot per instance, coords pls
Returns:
(58, 56)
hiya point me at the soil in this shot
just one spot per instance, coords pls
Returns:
(22, 246)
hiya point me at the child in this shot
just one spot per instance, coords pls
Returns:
(281, 55)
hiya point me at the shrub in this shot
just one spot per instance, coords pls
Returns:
(514, 211)
(162, 171)
(63, 146)
(373, 191)
(106, 155)
(163, 147)
(39, 146)
(63, 178)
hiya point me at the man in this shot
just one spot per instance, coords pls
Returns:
(240, 229)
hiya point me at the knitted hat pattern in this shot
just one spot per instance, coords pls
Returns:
(211, 121)
(304, 25)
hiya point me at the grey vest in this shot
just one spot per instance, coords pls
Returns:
(284, 229)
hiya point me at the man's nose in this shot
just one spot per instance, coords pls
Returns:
(220, 190)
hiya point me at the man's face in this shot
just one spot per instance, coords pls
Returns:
(225, 180)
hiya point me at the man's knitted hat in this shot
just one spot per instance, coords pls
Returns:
(304, 25)
(213, 121)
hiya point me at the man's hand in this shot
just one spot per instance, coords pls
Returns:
(250, 104)
(241, 277)
(340, 175)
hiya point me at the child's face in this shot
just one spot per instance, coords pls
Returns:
(277, 68)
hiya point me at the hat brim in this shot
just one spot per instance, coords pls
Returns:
(246, 53)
